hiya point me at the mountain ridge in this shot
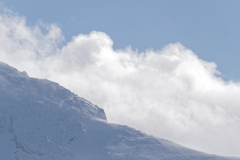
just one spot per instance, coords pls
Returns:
(42, 120)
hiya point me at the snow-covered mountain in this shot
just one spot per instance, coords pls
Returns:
(40, 120)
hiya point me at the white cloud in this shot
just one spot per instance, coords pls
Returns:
(169, 93)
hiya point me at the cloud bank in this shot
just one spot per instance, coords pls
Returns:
(169, 93)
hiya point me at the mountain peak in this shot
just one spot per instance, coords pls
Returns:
(5, 68)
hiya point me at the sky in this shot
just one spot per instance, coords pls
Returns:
(210, 27)
(168, 68)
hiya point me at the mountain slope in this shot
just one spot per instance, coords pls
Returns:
(41, 120)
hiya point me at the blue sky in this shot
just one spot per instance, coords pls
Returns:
(210, 27)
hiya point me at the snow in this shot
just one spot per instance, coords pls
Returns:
(41, 120)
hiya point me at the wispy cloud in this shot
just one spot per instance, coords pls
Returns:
(169, 93)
